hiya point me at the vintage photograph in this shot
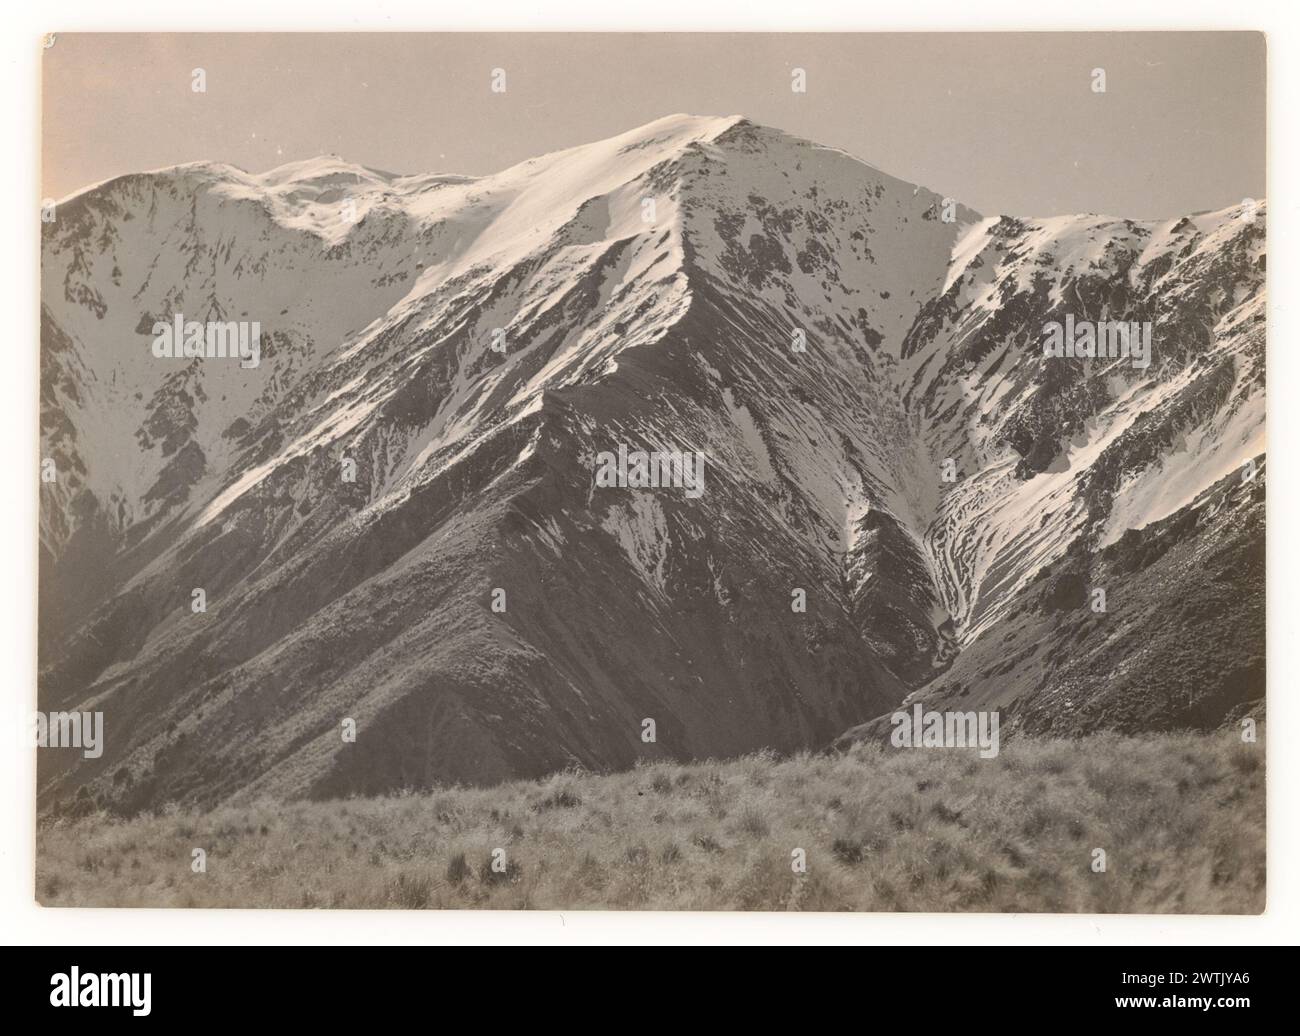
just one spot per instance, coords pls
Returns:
(653, 471)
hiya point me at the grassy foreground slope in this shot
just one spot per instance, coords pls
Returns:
(1180, 816)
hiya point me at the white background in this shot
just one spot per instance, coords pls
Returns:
(23, 922)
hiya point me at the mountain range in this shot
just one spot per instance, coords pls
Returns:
(394, 517)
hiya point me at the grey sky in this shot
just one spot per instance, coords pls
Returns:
(1002, 122)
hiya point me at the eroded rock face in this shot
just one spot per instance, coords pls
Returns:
(439, 372)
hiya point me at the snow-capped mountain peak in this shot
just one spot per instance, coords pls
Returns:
(858, 360)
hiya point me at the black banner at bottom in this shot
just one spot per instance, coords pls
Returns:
(337, 984)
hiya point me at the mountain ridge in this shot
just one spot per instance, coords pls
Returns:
(370, 599)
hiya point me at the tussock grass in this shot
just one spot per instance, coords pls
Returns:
(1180, 816)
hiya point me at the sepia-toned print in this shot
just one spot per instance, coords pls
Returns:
(617, 507)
